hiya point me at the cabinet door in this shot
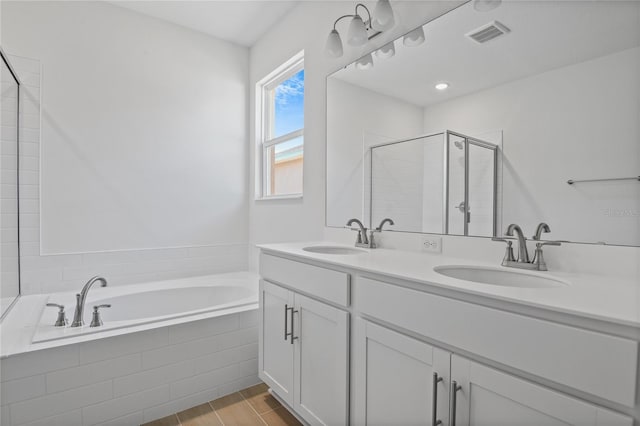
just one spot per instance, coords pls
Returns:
(321, 334)
(396, 379)
(491, 397)
(276, 350)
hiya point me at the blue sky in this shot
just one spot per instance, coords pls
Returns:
(289, 114)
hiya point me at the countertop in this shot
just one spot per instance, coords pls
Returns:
(606, 298)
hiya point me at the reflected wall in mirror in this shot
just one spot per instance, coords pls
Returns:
(9, 217)
(440, 183)
(563, 106)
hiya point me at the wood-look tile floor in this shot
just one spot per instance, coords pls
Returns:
(251, 406)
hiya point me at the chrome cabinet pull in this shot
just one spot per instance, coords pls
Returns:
(286, 331)
(434, 411)
(455, 387)
(292, 328)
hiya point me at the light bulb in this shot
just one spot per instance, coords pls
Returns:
(365, 63)
(334, 44)
(386, 51)
(414, 38)
(357, 33)
(383, 18)
(442, 86)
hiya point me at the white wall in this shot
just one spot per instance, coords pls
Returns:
(140, 144)
(143, 128)
(553, 132)
(358, 119)
(306, 27)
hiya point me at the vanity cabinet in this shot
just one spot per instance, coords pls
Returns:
(401, 380)
(398, 379)
(485, 396)
(304, 353)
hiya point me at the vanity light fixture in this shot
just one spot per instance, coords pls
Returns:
(365, 63)
(442, 86)
(357, 31)
(414, 38)
(386, 51)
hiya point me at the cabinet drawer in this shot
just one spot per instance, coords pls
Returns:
(320, 282)
(596, 363)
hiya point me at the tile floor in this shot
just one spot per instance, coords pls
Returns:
(251, 406)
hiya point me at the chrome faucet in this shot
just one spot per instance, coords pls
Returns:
(538, 263)
(81, 299)
(523, 253)
(372, 241)
(361, 240)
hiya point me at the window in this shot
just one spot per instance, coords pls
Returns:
(281, 131)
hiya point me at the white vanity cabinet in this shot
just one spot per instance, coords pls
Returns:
(411, 343)
(398, 380)
(304, 344)
(485, 396)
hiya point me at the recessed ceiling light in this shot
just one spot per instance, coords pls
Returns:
(442, 86)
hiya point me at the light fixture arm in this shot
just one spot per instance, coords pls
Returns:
(340, 18)
(368, 13)
(354, 15)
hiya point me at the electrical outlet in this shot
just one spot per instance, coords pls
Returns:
(432, 244)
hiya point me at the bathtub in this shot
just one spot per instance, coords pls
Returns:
(153, 304)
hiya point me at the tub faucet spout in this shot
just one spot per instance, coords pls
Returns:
(81, 298)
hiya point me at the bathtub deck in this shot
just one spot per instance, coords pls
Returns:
(251, 406)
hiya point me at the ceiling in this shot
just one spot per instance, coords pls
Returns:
(544, 36)
(241, 21)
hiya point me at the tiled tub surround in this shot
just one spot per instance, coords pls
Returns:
(124, 376)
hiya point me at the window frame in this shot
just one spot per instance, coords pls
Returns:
(264, 119)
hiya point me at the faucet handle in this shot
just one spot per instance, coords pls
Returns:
(62, 320)
(96, 321)
(508, 254)
(550, 243)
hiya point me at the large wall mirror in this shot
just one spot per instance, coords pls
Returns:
(526, 113)
(9, 215)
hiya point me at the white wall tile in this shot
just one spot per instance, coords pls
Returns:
(21, 389)
(92, 373)
(118, 407)
(70, 418)
(201, 329)
(60, 402)
(130, 419)
(152, 378)
(239, 384)
(112, 347)
(38, 362)
(197, 348)
(225, 358)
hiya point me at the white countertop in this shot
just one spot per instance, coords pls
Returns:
(601, 297)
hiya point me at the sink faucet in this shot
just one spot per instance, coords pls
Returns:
(538, 263)
(81, 298)
(362, 240)
(523, 253)
(372, 241)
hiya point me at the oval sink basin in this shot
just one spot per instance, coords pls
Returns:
(501, 277)
(333, 250)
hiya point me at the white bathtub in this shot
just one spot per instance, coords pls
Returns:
(158, 304)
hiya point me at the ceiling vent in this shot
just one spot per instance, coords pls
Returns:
(488, 32)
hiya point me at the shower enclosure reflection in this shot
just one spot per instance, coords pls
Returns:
(443, 183)
(9, 222)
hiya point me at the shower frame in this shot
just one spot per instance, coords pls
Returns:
(468, 140)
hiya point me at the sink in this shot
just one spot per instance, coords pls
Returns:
(333, 250)
(498, 276)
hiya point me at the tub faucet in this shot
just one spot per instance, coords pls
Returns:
(81, 298)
